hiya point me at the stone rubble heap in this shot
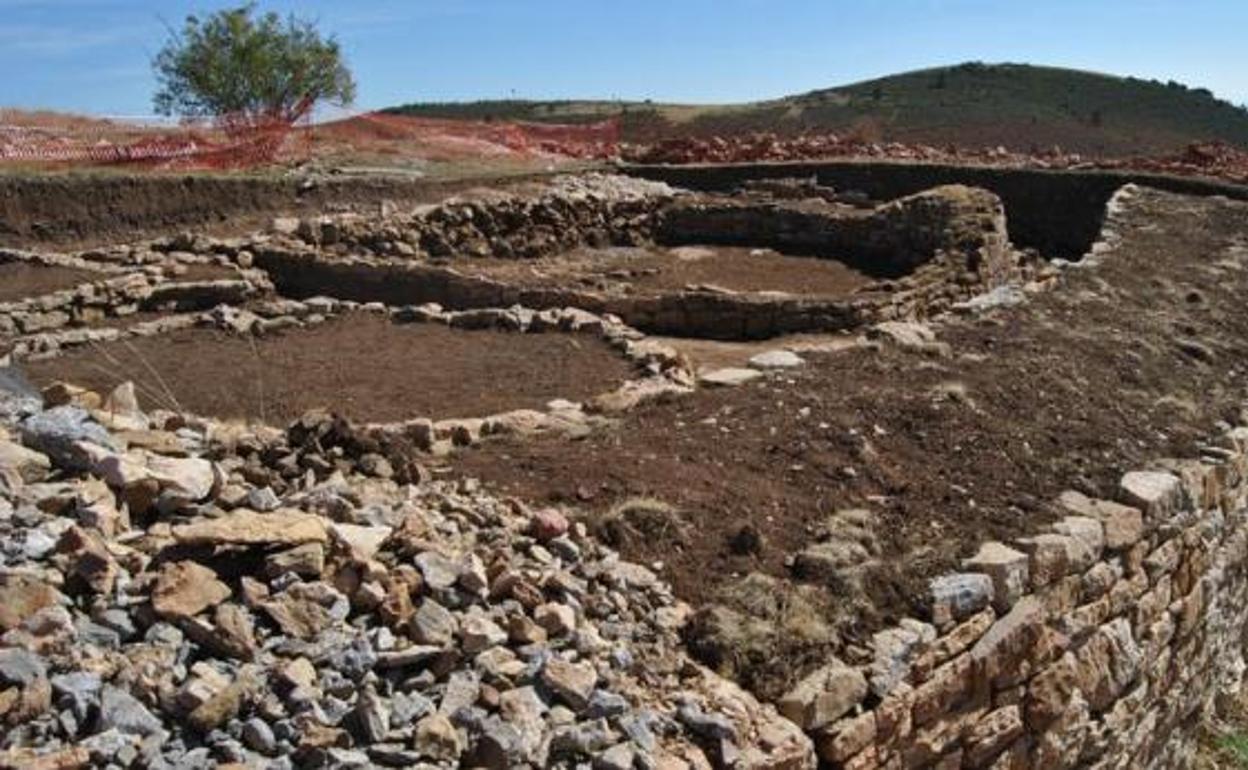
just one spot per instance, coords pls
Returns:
(171, 595)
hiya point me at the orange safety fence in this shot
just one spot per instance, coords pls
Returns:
(234, 142)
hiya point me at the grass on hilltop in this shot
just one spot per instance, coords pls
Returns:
(1021, 107)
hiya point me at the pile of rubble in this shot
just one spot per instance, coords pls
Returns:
(593, 209)
(1216, 159)
(1206, 159)
(771, 147)
(179, 593)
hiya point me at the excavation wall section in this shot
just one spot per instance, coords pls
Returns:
(90, 208)
(1058, 213)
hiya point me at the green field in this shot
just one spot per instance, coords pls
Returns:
(1021, 107)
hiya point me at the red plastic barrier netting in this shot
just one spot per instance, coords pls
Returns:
(242, 142)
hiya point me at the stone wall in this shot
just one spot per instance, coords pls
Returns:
(949, 245)
(890, 241)
(117, 292)
(1059, 213)
(303, 274)
(571, 211)
(1102, 643)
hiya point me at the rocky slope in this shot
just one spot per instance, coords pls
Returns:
(183, 593)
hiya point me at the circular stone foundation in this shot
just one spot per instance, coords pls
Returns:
(361, 365)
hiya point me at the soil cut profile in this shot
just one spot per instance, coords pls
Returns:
(22, 280)
(654, 270)
(362, 366)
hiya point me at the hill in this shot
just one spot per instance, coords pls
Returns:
(1018, 106)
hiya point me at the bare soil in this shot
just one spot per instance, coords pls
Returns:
(101, 207)
(1135, 359)
(361, 366)
(657, 270)
(20, 280)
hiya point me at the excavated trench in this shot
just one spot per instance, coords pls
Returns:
(703, 267)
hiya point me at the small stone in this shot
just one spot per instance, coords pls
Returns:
(298, 673)
(478, 633)
(776, 359)
(618, 757)
(472, 575)
(90, 561)
(572, 683)
(121, 711)
(523, 708)
(20, 667)
(184, 589)
(307, 560)
(436, 738)
(1123, 525)
(959, 596)
(548, 524)
(823, 696)
(556, 619)
(21, 597)
(709, 725)
(729, 377)
(522, 630)
(433, 624)
(1006, 567)
(29, 466)
(81, 689)
(249, 528)
(462, 690)
(258, 736)
(605, 703)
(372, 716)
(57, 433)
(1157, 494)
(263, 499)
(499, 745)
(438, 571)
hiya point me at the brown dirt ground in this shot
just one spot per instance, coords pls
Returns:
(659, 270)
(19, 280)
(361, 366)
(1136, 359)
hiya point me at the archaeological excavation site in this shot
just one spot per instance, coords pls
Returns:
(766, 466)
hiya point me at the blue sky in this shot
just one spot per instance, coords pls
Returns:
(93, 55)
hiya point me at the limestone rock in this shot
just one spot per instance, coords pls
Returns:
(184, 589)
(1157, 494)
(729, 377)
(250, 528)
(572, 683)
(823, 696)
(776, 359)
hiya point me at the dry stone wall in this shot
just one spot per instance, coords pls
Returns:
(1102, 642)
(964, 225)
(593, 209)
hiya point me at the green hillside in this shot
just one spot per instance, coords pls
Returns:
(1018, 106)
